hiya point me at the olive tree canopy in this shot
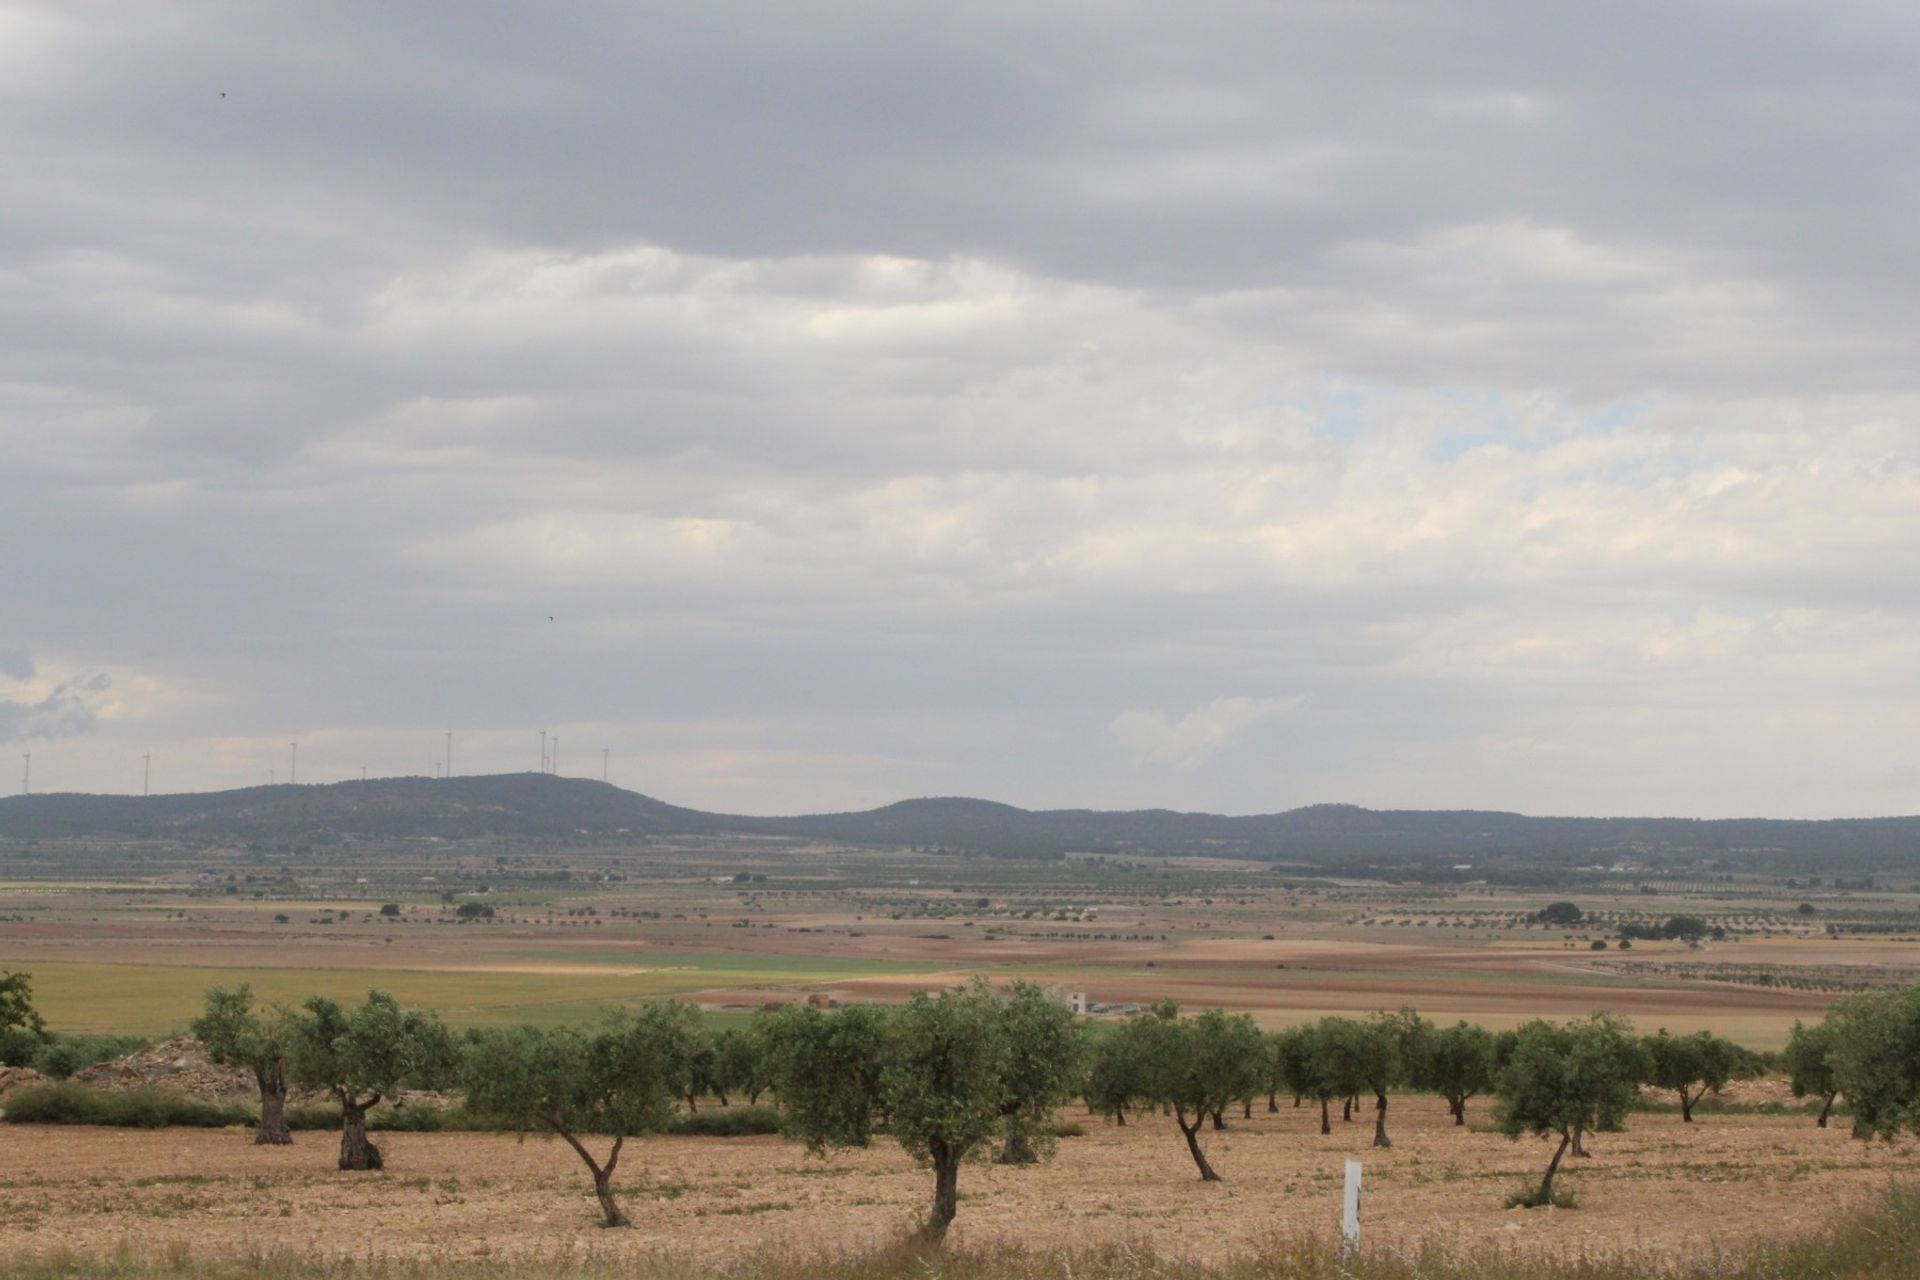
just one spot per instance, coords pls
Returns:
(363, 1055)
(1363, 1057)
(1562, 1080)
(1197, 1065)
(1457, 1064)
(1046, 1054)
(1875, 1055)
(618, 1080)
(237, 1033)
(22, 1032)
(1808, 1058)
(944, 1073)
(1691, 1066)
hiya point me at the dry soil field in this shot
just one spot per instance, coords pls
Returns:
(126, 942)
(1724, 1181)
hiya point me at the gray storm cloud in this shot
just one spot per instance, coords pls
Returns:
(1216, 405)
(64, 712)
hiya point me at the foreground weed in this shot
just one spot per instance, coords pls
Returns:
(1883, 1244)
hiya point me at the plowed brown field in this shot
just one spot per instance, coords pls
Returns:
(1722, 1182)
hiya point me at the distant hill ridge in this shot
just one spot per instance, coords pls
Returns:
(540, 805)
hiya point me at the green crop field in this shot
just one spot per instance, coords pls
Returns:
(156, 1000)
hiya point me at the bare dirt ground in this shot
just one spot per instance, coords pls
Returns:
(1494, 988)
(109, 960)
(1720, 1183)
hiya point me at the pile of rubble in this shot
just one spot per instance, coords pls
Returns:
(15, 1078)
(1746, 1093)
(179, 1065)
(1759, 1092)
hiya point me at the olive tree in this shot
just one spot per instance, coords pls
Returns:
(1045, 1052)
(1117, 1075)
(1690, 1066)
(703, 1074)
(1808, 1059)
(827, 1069)
(1320, 1074)
(1365, 1056)
(1297, 1058)
(1561, 1080)
(363, 1055)
(22, 1031)
(1875, 1054)
(619, 1080)
(936, 1071)
(739, 1062)
(1288, 1053)
(237, 1033)
(1197, 1065)
(1457, 1064)
(945, 1084)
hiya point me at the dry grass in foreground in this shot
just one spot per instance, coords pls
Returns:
(1878, 1244)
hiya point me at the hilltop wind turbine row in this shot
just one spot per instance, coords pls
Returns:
(443, 767)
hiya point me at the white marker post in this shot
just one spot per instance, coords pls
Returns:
(1350, 1211)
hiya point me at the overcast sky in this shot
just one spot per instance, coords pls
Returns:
(1208, 405)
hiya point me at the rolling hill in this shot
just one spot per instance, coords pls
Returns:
(541, 806)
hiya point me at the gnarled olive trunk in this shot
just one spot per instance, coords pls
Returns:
(1580, 1142)
(1826, 1110)
(356, 1152)
(1553, 1167)
(1191, 1132)
(1326, 1117)
(1273, 1102)
(1686, 1107)
(946, 1188)
(273, 1113)
(1380, 1138)
(1219, 1122)
(1457, 1105)
(692, 1105)
(602, 1173)
(609, 1208)
(1018, 1148)
(1346, 1111)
